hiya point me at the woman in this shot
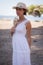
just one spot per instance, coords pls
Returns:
(21, 39)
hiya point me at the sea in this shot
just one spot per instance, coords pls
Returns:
(29, 17)
(6, 17)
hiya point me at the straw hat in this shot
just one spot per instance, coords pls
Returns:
(20, 5)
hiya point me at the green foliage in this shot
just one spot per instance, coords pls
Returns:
(32, 7)
(41, 10)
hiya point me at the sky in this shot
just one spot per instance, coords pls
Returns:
(6, 5)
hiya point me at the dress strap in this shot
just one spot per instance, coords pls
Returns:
(26, 21)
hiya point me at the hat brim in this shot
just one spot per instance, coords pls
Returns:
(14, 7)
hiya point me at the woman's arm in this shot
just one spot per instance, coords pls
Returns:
(28, 33)
(12, 30)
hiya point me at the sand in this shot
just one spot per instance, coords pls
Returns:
(6, 43)
(6, 24)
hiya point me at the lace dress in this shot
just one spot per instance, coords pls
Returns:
(21, 50)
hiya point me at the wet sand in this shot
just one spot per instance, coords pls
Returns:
(6, 43)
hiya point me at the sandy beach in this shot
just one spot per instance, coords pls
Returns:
(6, 45)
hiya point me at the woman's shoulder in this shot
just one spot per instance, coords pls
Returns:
(27, 21)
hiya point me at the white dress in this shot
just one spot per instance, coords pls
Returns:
(21, 50)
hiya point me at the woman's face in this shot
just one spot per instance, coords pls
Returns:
(19, 11)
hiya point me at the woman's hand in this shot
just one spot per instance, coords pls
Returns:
(12, 30)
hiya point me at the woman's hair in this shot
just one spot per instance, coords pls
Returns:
(24, 12)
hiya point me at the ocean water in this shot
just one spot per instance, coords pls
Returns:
(6, 17)
(29, 17)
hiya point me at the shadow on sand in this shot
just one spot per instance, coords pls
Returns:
(6, 46)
